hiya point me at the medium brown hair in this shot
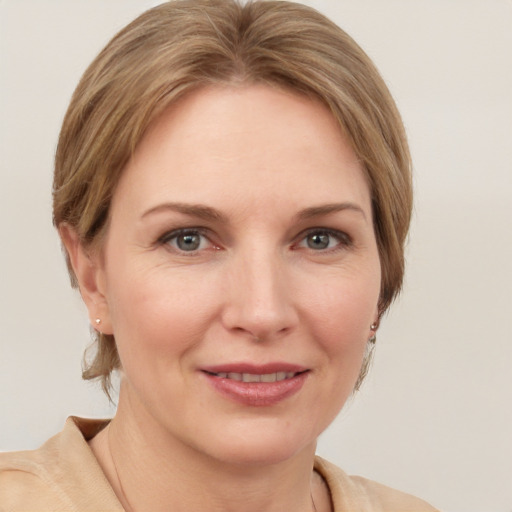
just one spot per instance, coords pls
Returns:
(183, 45)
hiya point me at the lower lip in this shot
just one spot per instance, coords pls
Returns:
(257, 394)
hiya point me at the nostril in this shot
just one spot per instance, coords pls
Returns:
(259, 308)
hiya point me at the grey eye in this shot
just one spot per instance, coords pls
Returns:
(324, 240)
(188, 241)
(318, 240)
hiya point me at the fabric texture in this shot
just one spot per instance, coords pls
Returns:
(63, 475)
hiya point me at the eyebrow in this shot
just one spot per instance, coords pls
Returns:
(326, 209)
(207, 213)
(194, 210)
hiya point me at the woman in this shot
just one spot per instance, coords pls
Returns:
(232, 189)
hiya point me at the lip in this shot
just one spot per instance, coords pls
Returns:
(256, 394)
(257, 369)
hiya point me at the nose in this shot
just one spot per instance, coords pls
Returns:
(259, 297)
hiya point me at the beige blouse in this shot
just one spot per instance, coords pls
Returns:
(63, 475)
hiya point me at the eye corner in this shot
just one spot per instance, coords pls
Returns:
(323, 240)
(189, 241)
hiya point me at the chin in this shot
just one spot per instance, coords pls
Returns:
(261, 443)
(261, 454)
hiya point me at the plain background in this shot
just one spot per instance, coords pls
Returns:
(435, 416)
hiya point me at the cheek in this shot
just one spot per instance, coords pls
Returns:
(158, 311)
(339, 318)
(345, 308)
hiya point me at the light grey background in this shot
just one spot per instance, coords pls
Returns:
(435, 416)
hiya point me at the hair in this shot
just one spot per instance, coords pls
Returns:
(184, 45)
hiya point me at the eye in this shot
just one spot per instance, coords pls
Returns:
(324, 239)
(186, 240)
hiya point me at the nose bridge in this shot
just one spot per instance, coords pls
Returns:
(259, 300)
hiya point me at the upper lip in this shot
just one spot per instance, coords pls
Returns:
(255, 369)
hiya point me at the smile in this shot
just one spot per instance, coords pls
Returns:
(253, 377)
(252, 385)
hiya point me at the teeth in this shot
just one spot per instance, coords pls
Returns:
(251, 377)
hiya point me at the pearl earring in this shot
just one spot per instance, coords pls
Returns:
(373, 328)
(98, 321)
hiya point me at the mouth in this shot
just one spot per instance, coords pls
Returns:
(255, 377)
(251, 385)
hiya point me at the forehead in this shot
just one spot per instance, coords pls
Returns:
(252, 139)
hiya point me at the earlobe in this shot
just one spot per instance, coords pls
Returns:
(374, 326)
(90, 276)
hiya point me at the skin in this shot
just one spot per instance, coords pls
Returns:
(280, 274)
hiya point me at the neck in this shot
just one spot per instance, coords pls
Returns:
(151, 470)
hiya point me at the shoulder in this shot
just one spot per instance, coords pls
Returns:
(362, 495)
(25, 480)
(61, 475)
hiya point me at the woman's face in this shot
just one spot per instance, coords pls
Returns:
(240, 274)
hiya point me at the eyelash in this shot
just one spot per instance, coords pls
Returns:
(167, 238)
(343, 239)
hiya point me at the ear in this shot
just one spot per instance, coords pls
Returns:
(90, 275)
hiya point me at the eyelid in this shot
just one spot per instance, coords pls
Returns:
(345, 240)
(174, 233)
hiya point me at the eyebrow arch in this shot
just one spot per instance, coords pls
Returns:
(207, 213)
(326, 209)
(194, 210)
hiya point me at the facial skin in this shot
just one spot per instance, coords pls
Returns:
(278, 263)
